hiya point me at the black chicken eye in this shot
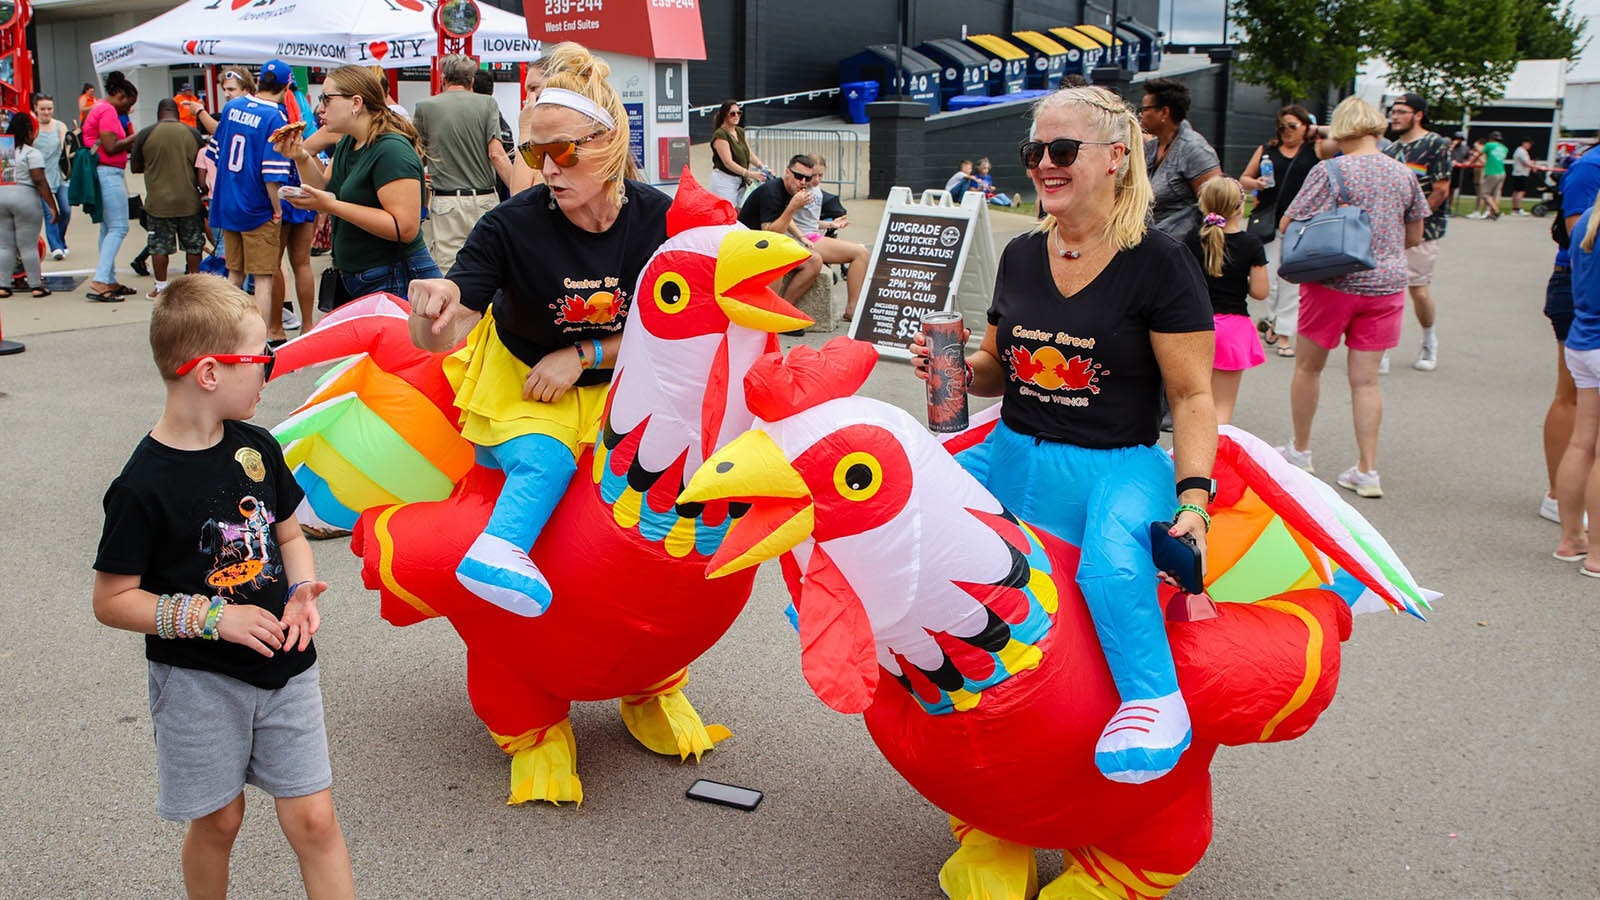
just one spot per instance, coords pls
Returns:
(671, 293)
(762, 244)
(859, 477)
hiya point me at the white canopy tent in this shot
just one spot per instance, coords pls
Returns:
(388, 33)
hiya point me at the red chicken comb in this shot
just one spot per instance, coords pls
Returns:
(695, 206)
(776, 388)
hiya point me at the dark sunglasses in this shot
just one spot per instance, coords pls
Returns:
(326, 95)
(1063, 151)
(565, 153)
(803, 177)
(265, 359)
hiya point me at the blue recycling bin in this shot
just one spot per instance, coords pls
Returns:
(855, 96)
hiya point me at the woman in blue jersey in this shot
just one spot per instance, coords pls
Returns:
(373, 189)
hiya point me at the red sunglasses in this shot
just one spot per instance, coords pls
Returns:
(265, 359)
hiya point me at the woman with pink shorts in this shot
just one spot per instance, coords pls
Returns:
(1363, 309)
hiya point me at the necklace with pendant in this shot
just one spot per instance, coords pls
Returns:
(1061, 251)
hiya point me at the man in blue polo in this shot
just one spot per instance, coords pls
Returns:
(244, 200)
(1579, 187)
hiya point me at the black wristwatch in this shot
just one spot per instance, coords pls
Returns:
(1197, 481)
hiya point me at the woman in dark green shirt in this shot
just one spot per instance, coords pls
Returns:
(373, 189)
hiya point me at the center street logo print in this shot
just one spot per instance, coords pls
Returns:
(1050, 369)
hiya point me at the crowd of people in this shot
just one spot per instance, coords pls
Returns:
(1138, 224)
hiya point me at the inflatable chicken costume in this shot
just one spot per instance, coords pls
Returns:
(626, 561)
(961, 635)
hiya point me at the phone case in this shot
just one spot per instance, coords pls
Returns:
(1178, 557)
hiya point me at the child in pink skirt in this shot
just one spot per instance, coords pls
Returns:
(1235, 264)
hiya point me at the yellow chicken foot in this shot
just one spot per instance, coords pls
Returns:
(661, 718)
(544, 765)
(987, 868)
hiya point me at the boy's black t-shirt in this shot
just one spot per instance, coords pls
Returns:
(1081, 370)
(201, 522)
(557, 283)
(1230, 291)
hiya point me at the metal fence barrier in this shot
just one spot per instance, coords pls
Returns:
(841, 148)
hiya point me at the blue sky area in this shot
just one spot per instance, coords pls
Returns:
(1200, 21)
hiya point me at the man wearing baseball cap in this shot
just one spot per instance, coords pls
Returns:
(244, 200)
(1427, 155)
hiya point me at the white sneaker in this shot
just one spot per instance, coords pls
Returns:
(58, 254)
(1365, 484)
(1300, 459)
(1144, 739)
(1427, 359)
(1520, 212)
(291, 317)
(1476, 215)
(1550, 509)
(1383, 364)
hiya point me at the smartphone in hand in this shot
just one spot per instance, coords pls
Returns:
(1179, 557)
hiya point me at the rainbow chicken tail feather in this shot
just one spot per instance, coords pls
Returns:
(662, 719)
(1277, 529)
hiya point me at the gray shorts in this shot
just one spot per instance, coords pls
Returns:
(215, 734)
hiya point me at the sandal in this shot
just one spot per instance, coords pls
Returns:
(4, 293)
(40, 291)
(1286, 352)
(122, 290)
(109, 297)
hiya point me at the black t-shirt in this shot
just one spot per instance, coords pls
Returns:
(1230, 291)
(765, 204)
(201, 522)
(1080, 370)
(1290, 173)
(558, 284)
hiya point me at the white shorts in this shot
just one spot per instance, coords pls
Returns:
(1420, 263)
(1585, 368)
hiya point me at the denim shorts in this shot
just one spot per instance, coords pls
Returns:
(394, 278)
(215, 734)
(1558, 302)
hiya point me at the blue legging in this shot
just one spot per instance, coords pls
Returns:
(1103, 501)
(538, 468)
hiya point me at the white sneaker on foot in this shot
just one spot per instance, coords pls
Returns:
(1365, 484)
(1300, 459)
(58, 254)
(501, 573)
(1383, 364)
(291, 317)
(1550, 509)
(1144, 739)
(1427, 358)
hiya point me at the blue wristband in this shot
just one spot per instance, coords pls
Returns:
(599, 352)
(292, 588)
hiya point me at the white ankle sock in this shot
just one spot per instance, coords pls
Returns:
(1429, 339)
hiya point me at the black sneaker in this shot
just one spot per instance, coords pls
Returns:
(139, 267)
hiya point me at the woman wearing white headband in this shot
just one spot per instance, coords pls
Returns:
(532, 377)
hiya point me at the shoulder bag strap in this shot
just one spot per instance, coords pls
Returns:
(1333, 176)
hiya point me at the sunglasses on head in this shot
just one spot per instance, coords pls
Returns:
(565, 153)
(1063, 151)
(265, 359)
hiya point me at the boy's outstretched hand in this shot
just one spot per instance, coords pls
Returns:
(300, 616)
(251, 626)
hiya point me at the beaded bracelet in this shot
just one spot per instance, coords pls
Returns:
(213, 618)
(161, 616)
(1197, 510)
(583, 361)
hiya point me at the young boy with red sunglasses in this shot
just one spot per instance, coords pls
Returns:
(202, 554)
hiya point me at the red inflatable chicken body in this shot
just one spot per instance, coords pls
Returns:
(960, 633)
(631, 606)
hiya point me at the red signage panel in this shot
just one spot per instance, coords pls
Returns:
(659, 29)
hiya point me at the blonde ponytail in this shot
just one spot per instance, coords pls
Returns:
(1594, 226)
(1221, 196)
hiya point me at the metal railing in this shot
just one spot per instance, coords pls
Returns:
(777, 98)
(841, 148)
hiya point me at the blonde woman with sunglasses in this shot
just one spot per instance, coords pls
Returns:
(1093, 312)
(372, 189)
(539, 294)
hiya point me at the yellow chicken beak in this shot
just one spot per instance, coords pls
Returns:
(752, 469)
(748, 262)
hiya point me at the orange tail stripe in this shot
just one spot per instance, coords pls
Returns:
(1313, 663)
(380, 530)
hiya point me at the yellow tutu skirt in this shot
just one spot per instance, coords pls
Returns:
(488, 379)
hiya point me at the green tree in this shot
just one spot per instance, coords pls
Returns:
(1299, 48)
(1456, 53)
(1550, 29)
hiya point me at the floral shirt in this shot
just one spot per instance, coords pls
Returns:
(1388, 191)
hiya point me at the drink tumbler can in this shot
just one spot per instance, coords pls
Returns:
(947, 372)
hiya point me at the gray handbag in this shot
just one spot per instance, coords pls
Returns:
(1329, 244)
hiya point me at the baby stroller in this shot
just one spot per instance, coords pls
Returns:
(1547, 193)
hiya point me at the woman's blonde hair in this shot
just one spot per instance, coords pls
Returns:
(1355, 117)
(1594, 226)
(360, 81)
(197, 315)
(1224, 197)
(1112, 120)
(572, 67)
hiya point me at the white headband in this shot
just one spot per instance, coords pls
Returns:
(574, 100)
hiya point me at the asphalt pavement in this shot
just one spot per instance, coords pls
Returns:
(1458, 760)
